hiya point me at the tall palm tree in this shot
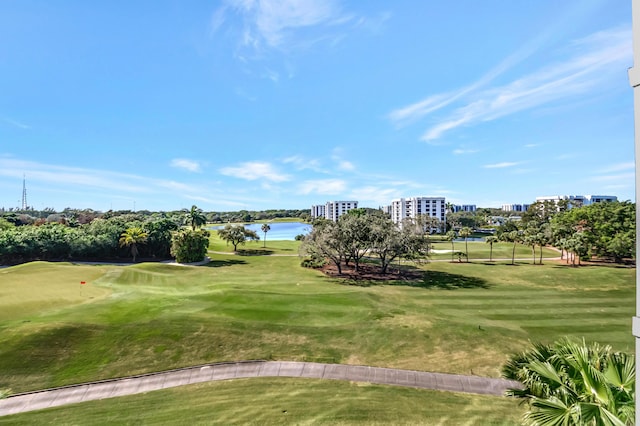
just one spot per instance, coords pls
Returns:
(450, 236)
(265, 228)
(575, 383)
(490, 240)
(195, 217)
(465, 233)
(131, 238)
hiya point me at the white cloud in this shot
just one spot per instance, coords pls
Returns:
(302, 163)
(374, 194)
(189, 165)
(461, 151)
(500, 165)
(591, 61)
(346, 166)
(276, 24)
(254, 170)
(342, 164)
(323, 186)
(14, 123)
(619, 167)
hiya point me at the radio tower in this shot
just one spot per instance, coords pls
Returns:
(24, 192)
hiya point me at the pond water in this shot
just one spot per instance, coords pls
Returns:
(278, 231)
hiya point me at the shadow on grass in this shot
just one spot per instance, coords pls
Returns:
(254, 252)
(410, 276)
(221, 263)
(445, 281)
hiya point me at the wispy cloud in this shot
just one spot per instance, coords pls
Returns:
(502, 165)
(591, 61)
(183, 163)
(532, 145)
(302, 163)
(618, 167)
(323, 186)
(341, 163)
(278, 24)
(372, 195)
(14, 123)
(461, 151)
(254, 170)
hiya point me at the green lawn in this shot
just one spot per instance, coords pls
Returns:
(283, 401)
(461, 318)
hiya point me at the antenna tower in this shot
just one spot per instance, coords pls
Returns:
(24, 193)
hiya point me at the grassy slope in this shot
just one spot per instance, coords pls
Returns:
(255, 307)
(284, 401)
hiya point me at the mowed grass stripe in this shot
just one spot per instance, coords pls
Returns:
(156, 317)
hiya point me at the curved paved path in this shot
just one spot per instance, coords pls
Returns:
(245, 369)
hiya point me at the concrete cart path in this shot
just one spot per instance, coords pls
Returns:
(245, 369)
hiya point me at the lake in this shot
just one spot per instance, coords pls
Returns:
(278, 231)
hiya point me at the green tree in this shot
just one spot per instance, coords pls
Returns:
(491, 240)
(195, 218)
(265, 228)
(465, 233)
(325, 241)
(451, 236)
(131, 238)
(189, 246)
(569, 383)
(237, 234)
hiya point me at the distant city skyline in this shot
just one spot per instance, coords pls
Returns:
(234, 105)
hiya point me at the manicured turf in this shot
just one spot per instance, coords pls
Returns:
(284, 401)
(462, 318)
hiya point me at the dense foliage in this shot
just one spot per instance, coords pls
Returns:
(98, 240)
(362, 233)
(571, 383)
(601, 230)
(190, 245)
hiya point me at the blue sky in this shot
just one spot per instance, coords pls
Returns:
(267, 104)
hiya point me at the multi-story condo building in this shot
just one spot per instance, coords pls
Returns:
(578, 200)
(403, 208)
(515, 207)
(464, 208)
(332, 210)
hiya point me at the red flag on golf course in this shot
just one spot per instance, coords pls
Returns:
(82, 282)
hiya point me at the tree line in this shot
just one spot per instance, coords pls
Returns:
(108, 237)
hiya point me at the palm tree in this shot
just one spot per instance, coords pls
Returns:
(265, 228)
(574, 383)
(465, 233)
(195, 217)
(131, 238)
(490, 240)
(450, 236)
(512, 237)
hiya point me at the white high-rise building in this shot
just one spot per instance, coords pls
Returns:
(403, 208)
(578, 200)
(332, 210)
(515, 207)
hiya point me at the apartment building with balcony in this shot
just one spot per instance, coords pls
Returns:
(332, 210)
(403, 208)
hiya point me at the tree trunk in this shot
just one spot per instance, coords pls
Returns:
(533, 249)
(466, 248)
(513, 254)
(491, 252)
(541, 254)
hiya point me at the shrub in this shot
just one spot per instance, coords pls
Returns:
(189, 246)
